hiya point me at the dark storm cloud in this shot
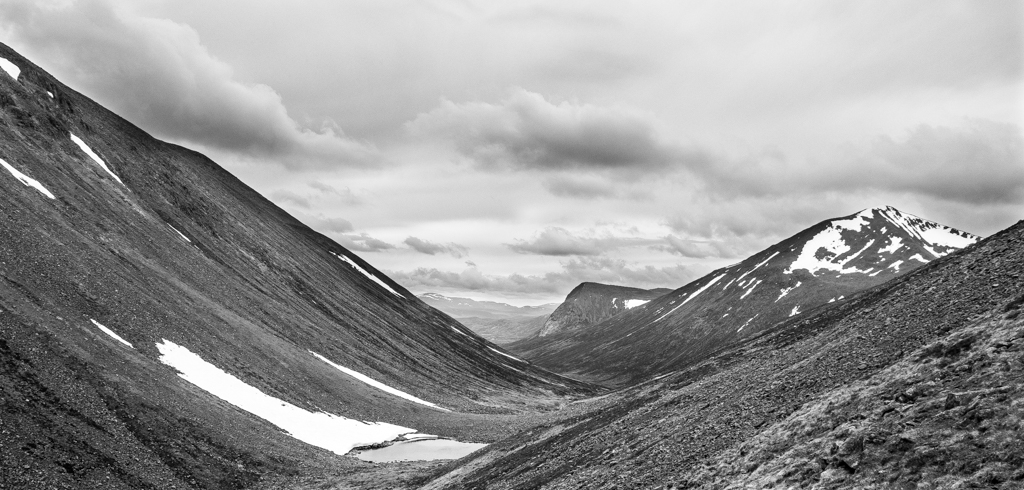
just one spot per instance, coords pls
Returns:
(526, 131)
(574, 271)
(431, 248)
(158, 74)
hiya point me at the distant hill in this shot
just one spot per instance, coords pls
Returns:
(823, 264)
(591, 303)
(500, 323)
(465, 308)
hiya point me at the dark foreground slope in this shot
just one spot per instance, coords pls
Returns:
(163, 246)
(823, 264)
(922, 348)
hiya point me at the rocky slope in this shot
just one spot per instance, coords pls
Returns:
(163, 325)
(823, 264)
(915, 383)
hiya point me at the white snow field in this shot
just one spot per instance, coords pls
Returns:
(377, 384)
(29, 181)
(96, 158)
(331, 432)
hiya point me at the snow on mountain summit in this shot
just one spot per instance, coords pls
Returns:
(825, 263)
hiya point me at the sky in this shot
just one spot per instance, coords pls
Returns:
(511, 150)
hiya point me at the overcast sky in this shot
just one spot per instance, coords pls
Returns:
(511, 149)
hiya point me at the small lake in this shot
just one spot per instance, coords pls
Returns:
(422, 450)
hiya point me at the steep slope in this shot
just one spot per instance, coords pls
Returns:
(591, 303)
(165, 324)
(825, 263)
(825, 400)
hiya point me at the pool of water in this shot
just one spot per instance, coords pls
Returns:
(428, 449)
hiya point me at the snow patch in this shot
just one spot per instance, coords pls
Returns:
(49, 93)
(180, 233)
(504, 354)
(796, 311)
(784, 292)
(896, 265)
(756, 284)
(709, 284)
(368, 275)
(377, 384)
(894, 244)
(746, 323)
(96, 158)
(330, 432)
(919, 258)
(10, 68)
(111, 333)
(29, 181)
(633, 303)
(830, 239)
(757, 266)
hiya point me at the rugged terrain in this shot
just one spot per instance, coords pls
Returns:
(127, 263)
(500, 323)
(915, 383)
(826, 263)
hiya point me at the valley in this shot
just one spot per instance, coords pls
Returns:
(163, 325)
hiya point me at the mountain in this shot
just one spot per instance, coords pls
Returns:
(469, 308)
(825, 263)
(914, 383)
(591, 303)
(500, 323)
(162, 325)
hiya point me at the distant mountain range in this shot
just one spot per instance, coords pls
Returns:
(823, 264)
(500, 323)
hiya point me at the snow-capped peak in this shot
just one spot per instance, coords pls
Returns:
(871, 233)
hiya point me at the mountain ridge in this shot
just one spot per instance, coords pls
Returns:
(822, 264)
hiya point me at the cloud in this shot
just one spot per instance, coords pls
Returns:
(158, 74)
(282, 195)
(526, 131)
(334, 225)
(558, 241)
(344, 194)
(698, 249)
(580, 187)
(574, 271)
(362, 242)
(431, 248)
